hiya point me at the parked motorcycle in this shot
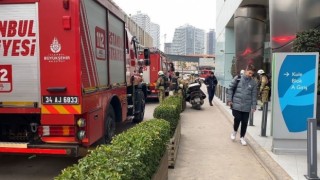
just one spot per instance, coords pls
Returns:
(195, 95)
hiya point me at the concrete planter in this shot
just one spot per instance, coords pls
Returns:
(173, 146)
(162, 172)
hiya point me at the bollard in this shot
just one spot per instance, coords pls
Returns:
(216, 93)
(221, 93)
(224, 95)
(218, 90)
(312, 149)
(251, 119)
(264, 119)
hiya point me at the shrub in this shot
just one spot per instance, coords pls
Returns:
(174, 100)
(170, 113)
(308, 41)
(134, 154)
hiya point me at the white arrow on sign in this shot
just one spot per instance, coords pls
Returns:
(286, 74)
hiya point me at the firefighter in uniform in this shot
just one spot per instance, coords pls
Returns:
(160, 85)
(182, 90)
(263, 88)
(193, 77)
(179, 85)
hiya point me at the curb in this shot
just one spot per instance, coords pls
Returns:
(272, 167)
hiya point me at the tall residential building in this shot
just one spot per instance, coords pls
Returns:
(188, 40)
(155, 34)
(143, 20)
(211, 42)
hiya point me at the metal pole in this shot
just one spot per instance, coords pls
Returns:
(251, 119)
(224, 95)
(264, 119)
(217, 91)
(218, 95)
(312, 149)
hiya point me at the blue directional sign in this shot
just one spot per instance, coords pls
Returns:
(296, 89)
(294, 99)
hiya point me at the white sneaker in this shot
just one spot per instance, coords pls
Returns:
(233, 135)
(243, 142)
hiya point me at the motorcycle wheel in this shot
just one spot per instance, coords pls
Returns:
(196, 106)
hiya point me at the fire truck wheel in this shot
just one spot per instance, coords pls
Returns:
(140, 115)
(110, 125)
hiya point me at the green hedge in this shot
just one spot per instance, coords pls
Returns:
(169, 110)
(174, 100)
(134, 154)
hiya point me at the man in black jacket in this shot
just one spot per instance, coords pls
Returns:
(211, 82)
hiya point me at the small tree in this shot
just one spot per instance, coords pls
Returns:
(308, 41)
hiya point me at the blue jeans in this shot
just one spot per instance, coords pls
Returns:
(211, 93)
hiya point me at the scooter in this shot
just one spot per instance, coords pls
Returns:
(195, 95)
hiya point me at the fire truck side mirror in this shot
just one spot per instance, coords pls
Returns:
(146, 53)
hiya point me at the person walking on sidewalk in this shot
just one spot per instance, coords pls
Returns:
(242, 99)
(211, 83)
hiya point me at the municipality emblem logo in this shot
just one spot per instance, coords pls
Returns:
(56, 56)
(55, 46)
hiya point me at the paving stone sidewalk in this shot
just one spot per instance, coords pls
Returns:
(206, 151)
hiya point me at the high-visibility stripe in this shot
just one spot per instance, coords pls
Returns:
(17, 104)
(61, 109)
(51, 109)
(73, 109)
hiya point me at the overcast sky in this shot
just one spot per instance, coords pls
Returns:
(171, 14)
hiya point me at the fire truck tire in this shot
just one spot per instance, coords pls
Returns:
(110, 125)
(138, 117)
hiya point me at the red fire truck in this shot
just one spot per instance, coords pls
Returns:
(66, 75)
(205, 71)
(158, 62)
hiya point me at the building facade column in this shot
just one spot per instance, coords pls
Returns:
(250, 33)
